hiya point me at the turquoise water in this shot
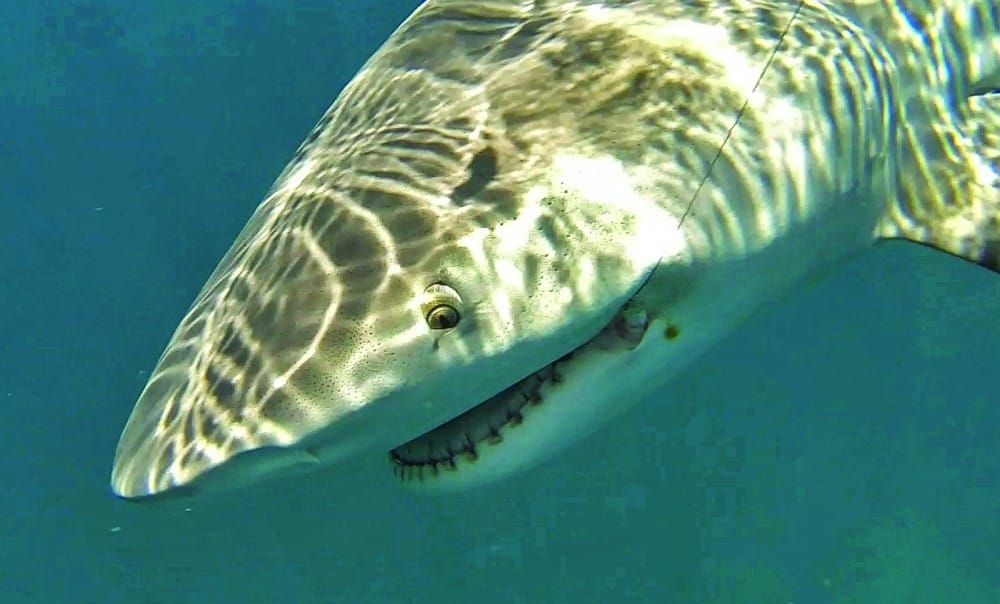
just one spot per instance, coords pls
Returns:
(841, 449)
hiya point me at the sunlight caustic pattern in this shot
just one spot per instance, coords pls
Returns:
(514, 200)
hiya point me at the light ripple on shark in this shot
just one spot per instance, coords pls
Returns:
(522, 216)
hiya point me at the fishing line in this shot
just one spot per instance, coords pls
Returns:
(739, 114)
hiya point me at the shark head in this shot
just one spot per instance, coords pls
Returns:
(441, 246)
(489, 244)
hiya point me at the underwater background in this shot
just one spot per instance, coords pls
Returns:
(844, 447)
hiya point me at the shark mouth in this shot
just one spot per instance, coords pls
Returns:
(460, 439)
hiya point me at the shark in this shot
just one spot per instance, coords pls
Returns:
(522, 217)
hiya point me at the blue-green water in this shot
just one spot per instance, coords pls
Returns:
(842, 449)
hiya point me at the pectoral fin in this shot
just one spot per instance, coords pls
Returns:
(949, 195)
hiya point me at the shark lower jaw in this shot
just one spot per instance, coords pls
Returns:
(501, 435)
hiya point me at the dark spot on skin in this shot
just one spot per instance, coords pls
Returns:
(482, 170)
(671, 332)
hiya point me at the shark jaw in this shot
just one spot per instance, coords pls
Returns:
(540, 414)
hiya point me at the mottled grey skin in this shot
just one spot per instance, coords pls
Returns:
(312, 335)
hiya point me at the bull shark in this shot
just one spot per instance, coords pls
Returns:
(521, 217)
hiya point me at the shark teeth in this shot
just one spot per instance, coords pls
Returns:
(460, 438)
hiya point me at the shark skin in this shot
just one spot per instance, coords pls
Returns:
(521, 217)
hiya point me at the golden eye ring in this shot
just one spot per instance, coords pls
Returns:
(443, 316)
(442, 307)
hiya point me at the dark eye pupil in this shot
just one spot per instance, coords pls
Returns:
(442, 317)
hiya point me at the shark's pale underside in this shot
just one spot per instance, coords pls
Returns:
(521, 216)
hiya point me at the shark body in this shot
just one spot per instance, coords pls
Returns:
(523, 216)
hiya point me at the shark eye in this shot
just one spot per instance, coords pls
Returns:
(442, 317)
(442, 307)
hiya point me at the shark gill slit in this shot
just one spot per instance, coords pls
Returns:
(460, 438)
